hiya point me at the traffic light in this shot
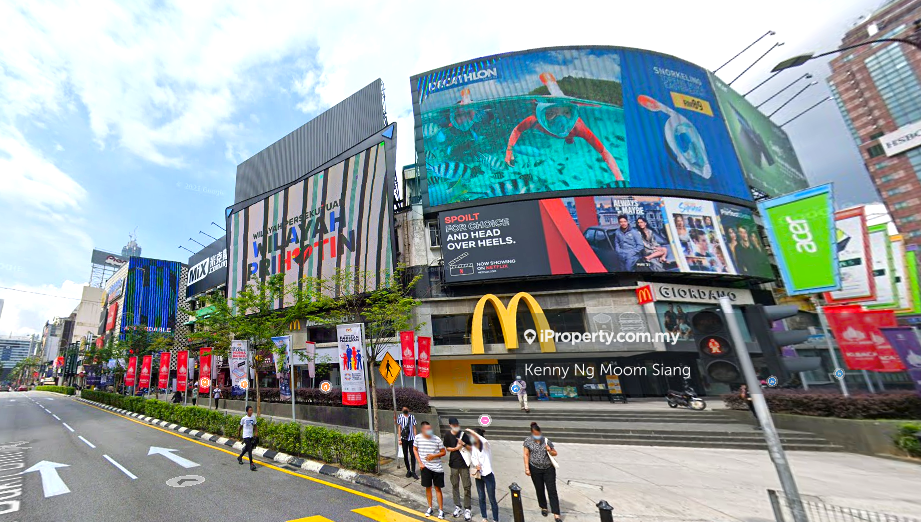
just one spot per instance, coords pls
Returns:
(714, 345)
(760, 320)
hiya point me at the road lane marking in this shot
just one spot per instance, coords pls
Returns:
(68, 427)
(382, 514)
(185, 481)
(168, 453)
(52, 485)
(55, 416)
(315, 518)
(119, 466)
(276, 468)
(88, 443)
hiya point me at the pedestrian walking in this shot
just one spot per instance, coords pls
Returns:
(194, 395)
(457, 444)
(747, 397)
(250, 432)
(217, 397)
(522, 393)
(177, 397)
(429, 450)
(407, 424)
(541, 467)
(482, 472)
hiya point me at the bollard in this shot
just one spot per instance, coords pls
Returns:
(517, 510)
(606, 511)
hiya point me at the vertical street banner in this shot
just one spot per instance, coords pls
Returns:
(914, 287)
(848, 325)
(854, 261)
(238, 364)
(129, 373)
(310, 353)
(281, 357)
(802, 233)
(905, 342)
(144, 380)
(352, 364)
(888, 358)
(205, 370)
(182, 370)
(883, 271)
(900, 275)
(408, 348)
(425, 356)
(163, 375)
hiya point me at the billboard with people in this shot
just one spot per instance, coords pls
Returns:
(601, 234)
(574, 118)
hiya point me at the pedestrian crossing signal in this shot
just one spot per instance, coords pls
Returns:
(389, 369)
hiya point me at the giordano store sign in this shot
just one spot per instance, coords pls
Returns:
(649, 292)
(508, 321)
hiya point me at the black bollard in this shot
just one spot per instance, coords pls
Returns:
(605, 511)
(517, 510)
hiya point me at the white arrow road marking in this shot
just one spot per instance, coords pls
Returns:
(68, 427)
(52, 484)
(166, 452)
(88, 443)
(119, 466)
(50, 399)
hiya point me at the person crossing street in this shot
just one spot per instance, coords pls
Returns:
(250, 432)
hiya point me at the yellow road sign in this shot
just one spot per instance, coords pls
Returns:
(389, 368)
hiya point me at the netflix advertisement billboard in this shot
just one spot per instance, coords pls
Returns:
(599, 235)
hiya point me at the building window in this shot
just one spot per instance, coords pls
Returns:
(485, 373)
(434, 235)
(456, 329)
(876, 136)
(876, 151)
(897, 84)
(895, 191)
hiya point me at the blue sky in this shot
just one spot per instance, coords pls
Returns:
(116, 116)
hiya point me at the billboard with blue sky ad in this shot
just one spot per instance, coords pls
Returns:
(570, 119)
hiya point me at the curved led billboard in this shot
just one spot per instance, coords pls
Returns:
(601, 234)
(568, 119)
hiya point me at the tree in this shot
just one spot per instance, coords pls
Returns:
(348, 296)
(23, 369)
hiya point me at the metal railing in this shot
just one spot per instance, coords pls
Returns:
(822, 512)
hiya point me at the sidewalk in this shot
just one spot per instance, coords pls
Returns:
(511, 404)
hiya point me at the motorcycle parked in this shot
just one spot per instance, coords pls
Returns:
(687, 398)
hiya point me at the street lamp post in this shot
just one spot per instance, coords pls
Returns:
(784, 104)
(776, 45)
(913, 40)
(791, 84)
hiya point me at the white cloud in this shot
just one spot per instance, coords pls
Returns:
(25, 310)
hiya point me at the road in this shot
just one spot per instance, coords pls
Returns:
(85, 463)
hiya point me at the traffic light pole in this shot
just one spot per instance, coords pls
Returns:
(775, 449)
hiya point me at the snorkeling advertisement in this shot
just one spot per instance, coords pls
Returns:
(571, 119)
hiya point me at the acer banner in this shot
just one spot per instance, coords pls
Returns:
(904, 341)
(144, 380)
(204, 371)
(129, 373)
(182, 370)
(408, 347)
(801, 230)
(425, 355)
(163, 376)
(352, 364)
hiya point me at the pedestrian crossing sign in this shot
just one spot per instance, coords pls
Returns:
(389, 369)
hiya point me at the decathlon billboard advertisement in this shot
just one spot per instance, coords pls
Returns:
(598, 235)
(801, 228)
(767, 156)
(338, 217)
(599, 119)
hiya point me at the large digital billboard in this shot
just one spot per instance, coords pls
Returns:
(768, 159)
(601, 234)
(207, 268)
(338, 217)
(604, 119)
(151, 295)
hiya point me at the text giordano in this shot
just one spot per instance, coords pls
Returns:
(589, 371)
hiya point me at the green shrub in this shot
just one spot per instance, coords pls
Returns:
(891, 405)
(66, 390)
(356, 451)
(906, 441)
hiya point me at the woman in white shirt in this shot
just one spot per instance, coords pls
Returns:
(481, 469)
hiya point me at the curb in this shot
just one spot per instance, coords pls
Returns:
(313, 466)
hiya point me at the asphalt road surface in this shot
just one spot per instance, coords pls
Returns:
(62, 460)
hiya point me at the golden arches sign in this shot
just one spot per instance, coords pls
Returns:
(508, 321)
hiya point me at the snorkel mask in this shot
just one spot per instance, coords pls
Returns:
(557, 118)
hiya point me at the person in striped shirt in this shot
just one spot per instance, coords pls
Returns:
(429, 449)
(407, 425)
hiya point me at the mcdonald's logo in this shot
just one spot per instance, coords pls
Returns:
(295, 325)
(644, 295)
(508, 320)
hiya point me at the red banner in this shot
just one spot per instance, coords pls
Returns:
(889, 360)
(100, 342)
(144, 377)
(408, 346)
(129, 372)
(163, 381)
(182, 370)
(204, 371)
(854, 333)
(112, 316)
(425, 353)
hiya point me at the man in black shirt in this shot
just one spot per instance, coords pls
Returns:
(457, 443)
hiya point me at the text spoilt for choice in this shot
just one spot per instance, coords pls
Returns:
(467, 232)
